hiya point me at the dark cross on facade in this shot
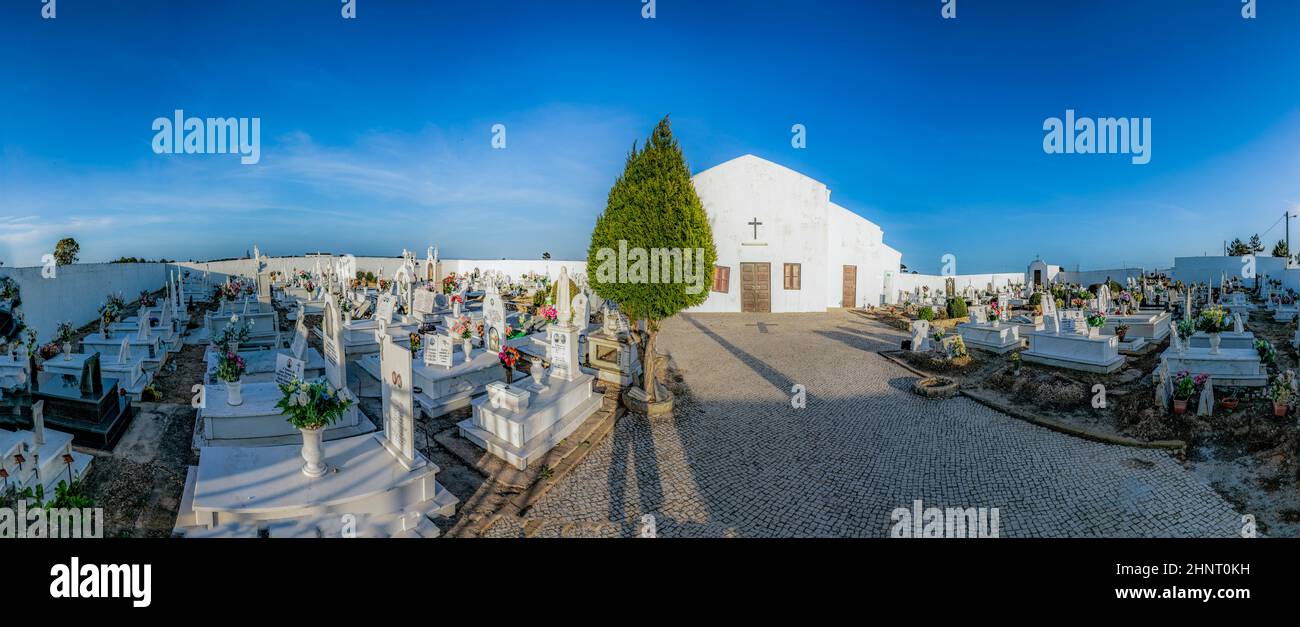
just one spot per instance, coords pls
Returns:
(762, 326)
(755, 224)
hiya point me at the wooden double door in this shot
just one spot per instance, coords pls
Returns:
(756, 287)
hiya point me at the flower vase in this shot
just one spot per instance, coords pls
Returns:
(467, 345)
(1214, 343)
(1093, 332)
(234, 396)
(995, 322)
(67, 351)
(312, 453)
(1279, 409)
(1180, 405)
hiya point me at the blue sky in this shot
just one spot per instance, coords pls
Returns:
(376, 131)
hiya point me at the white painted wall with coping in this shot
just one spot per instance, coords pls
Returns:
(76, 291)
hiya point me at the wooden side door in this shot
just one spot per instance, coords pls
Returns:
(849, 297)
(756, 287)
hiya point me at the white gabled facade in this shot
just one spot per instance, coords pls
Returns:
(765, 213)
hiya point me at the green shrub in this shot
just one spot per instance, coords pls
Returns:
(957, 308)
(926, 313)
(1036, 299)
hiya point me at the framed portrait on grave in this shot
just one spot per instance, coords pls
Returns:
(494, 340)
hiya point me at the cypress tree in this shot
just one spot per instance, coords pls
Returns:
(652, 207)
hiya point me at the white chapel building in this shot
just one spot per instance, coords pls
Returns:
(783, 246)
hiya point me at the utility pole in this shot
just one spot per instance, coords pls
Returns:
(1287, 214)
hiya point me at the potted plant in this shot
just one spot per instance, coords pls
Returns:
(1038, 316)
(1121, 331)
(1184, 388)
(1281, 393)
(1231, 401)
(230, 368)
(1096, 320)
(1266, 352)
(1212, 321)
(63, 335)
(1015, 364)
(311, 407)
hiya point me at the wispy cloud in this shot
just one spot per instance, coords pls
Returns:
(375, 195)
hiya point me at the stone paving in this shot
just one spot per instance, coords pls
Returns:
(738, 460)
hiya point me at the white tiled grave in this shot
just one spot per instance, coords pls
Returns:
(263, 328)
(1231, 366)
(442, 389)
(520, 423)
(1227, 339)
(258, 422)
(150, 350)
(1152, 326)
(1285, 313)
(43, 462)
(13, 373)
(130, 373)
(1002, 338)
(234, 491)
(1074, 351)
(260, 364)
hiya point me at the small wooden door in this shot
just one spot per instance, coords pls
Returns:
(756, 287)
(849, 298)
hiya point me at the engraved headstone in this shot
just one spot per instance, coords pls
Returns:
(92, 382)
(398, 403)
(38, 422)
(438, 350)
(288, 369)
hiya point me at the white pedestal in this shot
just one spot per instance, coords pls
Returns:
(1001, 339)
(1076, 352)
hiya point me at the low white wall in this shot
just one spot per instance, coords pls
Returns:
(76, 291)
(384, 267)
(1096, 277)
(1212, 269)
(908, 282)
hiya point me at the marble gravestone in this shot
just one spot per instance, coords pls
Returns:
(398, 404)
(288, 369)
(920, 335)
(438, 350)
(494, 317)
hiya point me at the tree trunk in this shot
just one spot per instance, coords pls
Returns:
(648, 363)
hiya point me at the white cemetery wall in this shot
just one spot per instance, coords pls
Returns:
(1203, 269)
(76, 291)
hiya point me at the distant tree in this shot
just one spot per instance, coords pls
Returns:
(1280, 249)
(65, 252)
(1238, 248)
(652, 205)
(1256, 246)
(546, 255)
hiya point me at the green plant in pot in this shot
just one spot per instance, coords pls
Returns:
(1015, 363)
(1121, 331)
(1185, 386)
(1280, 391)
(310, 408)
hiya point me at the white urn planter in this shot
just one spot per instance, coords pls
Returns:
(312, 453)
(1094, 332)
(1214, 343)
(467, 345)
(234, 397)
(67, 351)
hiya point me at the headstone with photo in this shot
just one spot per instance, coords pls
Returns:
(288, 369)
(438, 349)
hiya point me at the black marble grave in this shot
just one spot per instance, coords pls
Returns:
(89, 407)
